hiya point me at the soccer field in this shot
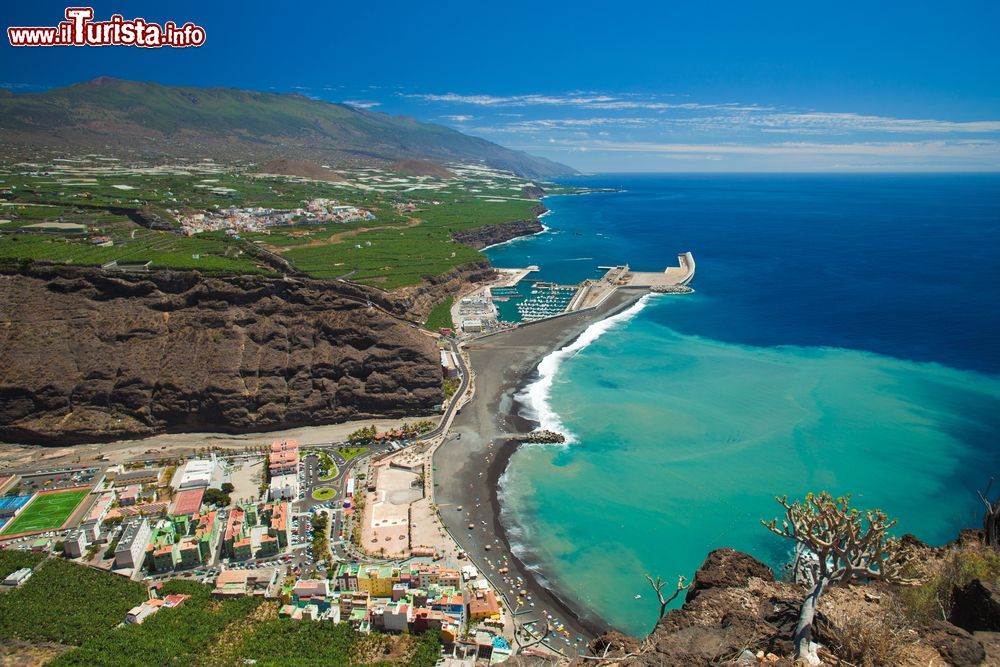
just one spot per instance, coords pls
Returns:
(47, 511)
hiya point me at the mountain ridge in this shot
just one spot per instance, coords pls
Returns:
(225, 123)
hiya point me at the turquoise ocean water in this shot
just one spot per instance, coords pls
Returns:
(842, 337)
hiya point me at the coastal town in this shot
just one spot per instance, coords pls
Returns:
(346, 532)
(234, 220)
(280, 522)
(363, 529)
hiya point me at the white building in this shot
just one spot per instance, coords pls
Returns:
(197, 473)
(131, 549)
(472, 326)
(307, 588)
(76, 543)
(396, 616)
(91, 524)
(284, 487)
(17, 577)
(448, 365)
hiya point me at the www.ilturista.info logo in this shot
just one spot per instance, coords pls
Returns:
(79, 29)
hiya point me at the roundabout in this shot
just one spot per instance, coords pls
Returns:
(323, 493)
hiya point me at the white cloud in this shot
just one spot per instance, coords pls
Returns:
(726, 116)
(548, 124)
(507, 101)
(921, 149)
(362, 104)
(459, 118)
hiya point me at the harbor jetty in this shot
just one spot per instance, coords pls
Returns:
(513, 299)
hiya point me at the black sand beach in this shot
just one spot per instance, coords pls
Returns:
(477, 449)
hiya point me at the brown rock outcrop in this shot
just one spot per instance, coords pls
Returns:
(976, 606)
(727, 568)
(955, 645)
(736, 613)
(89, 356)
(487, 235)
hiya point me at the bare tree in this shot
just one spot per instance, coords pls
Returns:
(991, 517)
(535, 640)
(845, 544)
(658, 585)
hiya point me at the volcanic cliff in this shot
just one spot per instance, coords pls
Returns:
(737, 612)
(90, 356)
(487, 235)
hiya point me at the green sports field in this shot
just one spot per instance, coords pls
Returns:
(46, 512)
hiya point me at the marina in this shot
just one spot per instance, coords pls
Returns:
(514, 299)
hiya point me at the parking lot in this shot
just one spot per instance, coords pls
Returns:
(59, 479)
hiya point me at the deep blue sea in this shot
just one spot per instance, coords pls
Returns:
(842, 337)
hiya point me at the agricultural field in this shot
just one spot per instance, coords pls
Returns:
(408, 241)
(440, 316)
(47, 511)
(283, 642)
(133, 244)
(66, 603)
(11, 560)
(191, 634)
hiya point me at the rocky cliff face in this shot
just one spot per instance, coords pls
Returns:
(88, 356)
(737, 613)
(416, 301)
(488, 235)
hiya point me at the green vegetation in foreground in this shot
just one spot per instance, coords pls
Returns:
(283, 642)
(440, 316)
(209, 253)
(323, 493)
(46, 512)
(450, 386)
(186, 635)
(11, 560)
(350, 452)
(67, 603)
(932, 597)
(71, 604)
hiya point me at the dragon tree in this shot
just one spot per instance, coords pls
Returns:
(839, 544)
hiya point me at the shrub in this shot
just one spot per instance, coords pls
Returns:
(932, 599)
(866, 639)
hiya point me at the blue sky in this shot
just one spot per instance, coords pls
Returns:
(623, 86)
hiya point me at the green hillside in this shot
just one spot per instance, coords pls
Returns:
(225, 123)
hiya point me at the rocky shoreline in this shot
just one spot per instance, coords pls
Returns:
(490, 235)
(737, 612)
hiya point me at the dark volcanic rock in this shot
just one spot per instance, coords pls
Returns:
(532, 192)
(954, 644)
(991, 644)
(727, 568)
(613, 643)
(488, 235)
(87, 356)
(976, 606)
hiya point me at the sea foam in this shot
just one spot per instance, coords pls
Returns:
(535, 396)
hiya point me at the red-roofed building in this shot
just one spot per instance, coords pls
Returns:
(280, 525)
(484, 606)
(284, 458)
(234, 532)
